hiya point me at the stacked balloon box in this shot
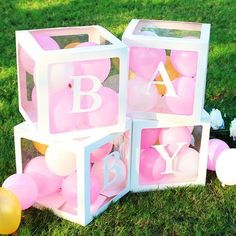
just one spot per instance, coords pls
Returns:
(168, 154)
(76, 178)
(168, 65)
(166, 89)
(72, 80)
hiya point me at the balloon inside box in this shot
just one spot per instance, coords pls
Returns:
(168, 155)
(77, 179)
(167, 63)
(72, 79)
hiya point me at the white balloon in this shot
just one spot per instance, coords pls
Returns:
(226, 167)
(60, 161)
(59, 76)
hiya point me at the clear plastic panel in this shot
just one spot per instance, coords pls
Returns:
(83, 94)
(109, 171)
(64, 38)
(27, 91)
(169, 155)
(162, 80)
(168, 29)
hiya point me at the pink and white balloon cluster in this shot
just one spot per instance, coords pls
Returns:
(222, 159)
(145, 96)
(61, 89)
(56, 172)
(153, 165)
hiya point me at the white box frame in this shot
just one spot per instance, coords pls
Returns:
(84, 215)
(201, 46)
(139, 124)
(43, 58)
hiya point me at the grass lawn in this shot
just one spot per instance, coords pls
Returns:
(183, 211)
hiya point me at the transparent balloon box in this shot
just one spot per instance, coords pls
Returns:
(76, 178)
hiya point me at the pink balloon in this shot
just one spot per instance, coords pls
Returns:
(99, 68)
(24, 187)
(185, 62)
(69, 189)
(101, 152)
(148, 158)
(172, 136)
(26, 61)
(149, 137)
(61, 117)
(144, 61)
(46, 42)
(141, 97)
(215, 148)
(185, 90)
(107, 113)
(46, 181)
(117, 174)
(187, 164)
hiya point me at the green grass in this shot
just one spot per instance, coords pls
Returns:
(183, 211)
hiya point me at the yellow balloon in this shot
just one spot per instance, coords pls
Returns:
(10, 212)
(41, 148)
(72, 45)
(172, 72)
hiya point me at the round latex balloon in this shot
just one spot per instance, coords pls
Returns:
(46, 181)
(226, 167)
(173, 136)
(185, 90)
(69, 189)
(46, 42)
(60, 161)
(185, 62)
(62, 119)
(149, 137)
(141, 95)
(72, 45)
(144, 61)
(59, 76)
(116, 176)
(101, 152)
(215, 148)
(172, 72)
(10, 212)
(187, 164)
(24, 187)
(148, 158)
(107, 113)
(99, 68)
(41, 148)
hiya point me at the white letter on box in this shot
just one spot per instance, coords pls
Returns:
(169, 160)
(78, 93)
(116, 169)
(166, 80)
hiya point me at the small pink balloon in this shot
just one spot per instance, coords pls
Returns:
(117, 174)
(24, 187)
(174, 135)
(215, 148)
(101, 152)
(46, 181)
(99, 68)
(141, 96)
(159, 168)
(62, 119)
(107, 113)
(187, 164)
(148, 158)
(149, 137)
(185, 90)
(185, 62)
(144, 61)
(69, 189)
(46, 42)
